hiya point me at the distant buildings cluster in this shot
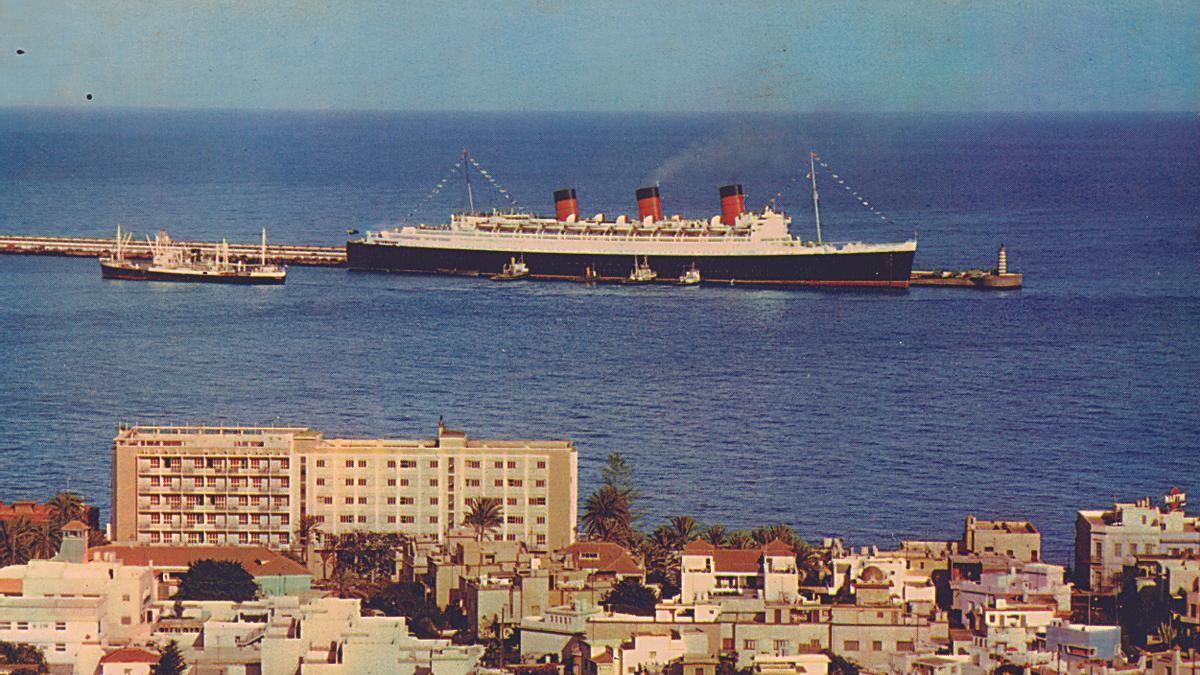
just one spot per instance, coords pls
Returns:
(182, 494)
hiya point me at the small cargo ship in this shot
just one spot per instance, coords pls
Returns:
(734, 247)
(172, 262)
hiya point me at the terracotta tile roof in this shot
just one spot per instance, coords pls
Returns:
(736, 560)
(130, 655)
(602, 556)
(699, 546)
(777, 547)
(258, 561)
(606, 657)
(75, 526)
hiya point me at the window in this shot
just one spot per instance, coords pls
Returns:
(407, 501)
(537, 501)
(432, 519)
(1099, 549)
(346, 519)
(473, 464)
(362, 519)
(432, 482)
(783, 646)
(391, 500)
(349, 482)
(514, 482)
(499, 465)
(511, 501)
(320, 481)
(433, 464)
(512, 464)
(750, 645)
(391, 519)
(362, 463)
(125, 621)
(320, 464)
(60, 647)
(349, 500)
(850, 646)
(516, 520)
(727, 644)
(327, 500)
(391, 463)
(391, 482)
(349, 464)
(876, 646)
(1117, 550)
(433, 501)
(541, 464)
(904, 646)
(541, 520)
(539, 483)
(22, 625)
(408, 464)
(499, 482)
(362, 500)
(362, 482)
(541, 540)
(407, 519)
(60, 625)
(403, 482)
(154, 463)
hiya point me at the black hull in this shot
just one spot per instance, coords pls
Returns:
(874, 269)
(134, 273)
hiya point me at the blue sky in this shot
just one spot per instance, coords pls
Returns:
(658, 55)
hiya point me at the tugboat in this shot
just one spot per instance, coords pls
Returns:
(514, 269)
(690, 277)
(641, 274)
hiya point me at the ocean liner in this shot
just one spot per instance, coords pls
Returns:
(734, 247)
(172, 262)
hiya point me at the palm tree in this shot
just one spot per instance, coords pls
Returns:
(714, 534)
(606, 516)
(765, 535)
(684, 529)
(484, 514)
(740, 539)
(812, 562)
(15, 537)
(65, 507)
(44, 540)
(308, 528)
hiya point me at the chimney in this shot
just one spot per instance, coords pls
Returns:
(74, 548)
(649, 203)
(733, 203)
(565, 204)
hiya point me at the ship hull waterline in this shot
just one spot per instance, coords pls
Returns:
(883, 269)
(135, 273)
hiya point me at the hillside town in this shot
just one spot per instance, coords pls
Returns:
(245, 550)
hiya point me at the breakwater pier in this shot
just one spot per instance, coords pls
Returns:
(284, 254)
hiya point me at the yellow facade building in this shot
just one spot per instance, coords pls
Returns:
(251, 485)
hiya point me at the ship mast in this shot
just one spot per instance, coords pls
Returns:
(263, 254)
(812, 173)
(467, 177)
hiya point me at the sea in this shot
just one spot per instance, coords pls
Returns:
(873, 416)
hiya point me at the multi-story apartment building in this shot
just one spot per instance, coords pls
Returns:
(1107, 541)
(251, 485)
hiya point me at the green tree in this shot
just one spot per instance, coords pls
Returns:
(606, 516)
(308, 528)
(631, 597)
(714, 534)
(410, 600)
(19, 653)
(65, 507)
(483, 515)
(767, 534)
(44, 540)
(15, 538)
(618, 475)
(367, 555)
(839, 665)
(217, 580)
(170, 660)
(740, 539)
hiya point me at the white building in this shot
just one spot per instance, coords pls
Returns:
(709, 572)
(1107, 541)
(72, 610)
